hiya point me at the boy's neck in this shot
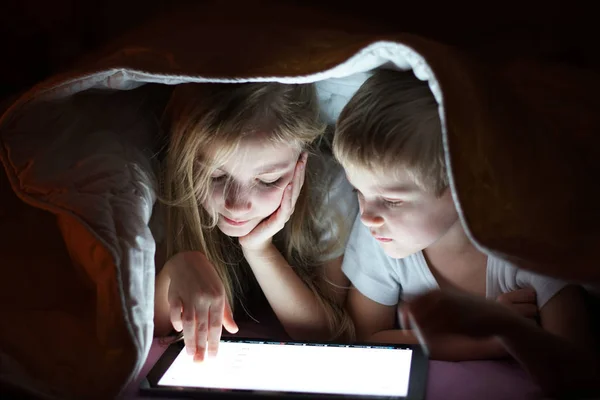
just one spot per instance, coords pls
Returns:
(455, 262)
(454, 243)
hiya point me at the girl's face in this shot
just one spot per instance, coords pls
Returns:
(249, 186)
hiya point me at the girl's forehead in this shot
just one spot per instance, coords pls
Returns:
(256, 154)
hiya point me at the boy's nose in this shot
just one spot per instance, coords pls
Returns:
(371, 219)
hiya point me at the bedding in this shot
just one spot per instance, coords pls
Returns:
(78, 151)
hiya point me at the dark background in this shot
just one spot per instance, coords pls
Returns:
(38, 38)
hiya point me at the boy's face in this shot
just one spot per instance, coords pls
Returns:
(402, 217)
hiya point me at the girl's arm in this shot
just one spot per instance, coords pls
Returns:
(295, 305)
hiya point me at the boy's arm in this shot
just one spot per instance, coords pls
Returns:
(374, 323)
(369, 316)
(565, 315)
(560, 354)
(447, 347)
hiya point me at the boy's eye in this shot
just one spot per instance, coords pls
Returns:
(393, 203)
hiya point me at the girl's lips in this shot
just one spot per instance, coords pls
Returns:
(234, 222)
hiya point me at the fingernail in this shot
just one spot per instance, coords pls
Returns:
(302, 164)
(289, 187)
(190, 351)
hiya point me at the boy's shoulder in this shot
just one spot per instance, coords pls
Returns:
(380, 277)
(505, 276)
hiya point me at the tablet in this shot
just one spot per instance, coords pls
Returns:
(257, 368)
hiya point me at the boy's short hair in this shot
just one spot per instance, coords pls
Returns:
(393, 122)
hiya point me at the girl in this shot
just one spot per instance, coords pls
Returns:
(243, 209)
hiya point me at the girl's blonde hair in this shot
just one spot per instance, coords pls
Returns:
(393, 122)
(217, 117)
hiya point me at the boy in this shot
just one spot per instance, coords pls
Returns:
(408, 238)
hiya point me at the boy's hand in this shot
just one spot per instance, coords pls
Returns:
(198, 303)
(440, 313)
(523, 301)
(261, 236)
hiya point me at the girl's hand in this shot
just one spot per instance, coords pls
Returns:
(261, 236)
(198, 303)
(441, 313)
(523, 301)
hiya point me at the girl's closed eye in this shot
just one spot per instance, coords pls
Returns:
(266, 183)
(219, 178)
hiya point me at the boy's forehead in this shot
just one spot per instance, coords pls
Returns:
(393, 180)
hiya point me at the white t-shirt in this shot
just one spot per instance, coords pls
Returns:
(339, 205)
(388, 280)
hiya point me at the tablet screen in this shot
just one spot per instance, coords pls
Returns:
(297, 367)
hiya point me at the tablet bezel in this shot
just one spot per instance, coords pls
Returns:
(416, 386)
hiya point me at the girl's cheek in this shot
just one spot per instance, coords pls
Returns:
(278, 194)
(213, 200)
(272, 198)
